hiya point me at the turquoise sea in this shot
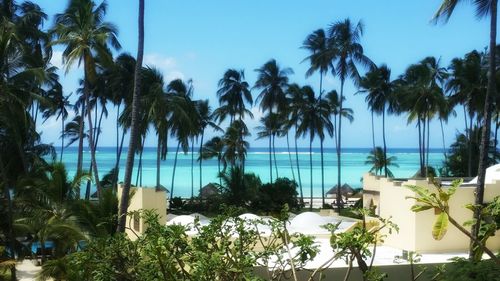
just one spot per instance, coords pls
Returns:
(353, 166)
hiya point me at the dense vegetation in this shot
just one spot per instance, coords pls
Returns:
(40, 203)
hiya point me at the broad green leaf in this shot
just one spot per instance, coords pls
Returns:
(420, 208)
(440, 226)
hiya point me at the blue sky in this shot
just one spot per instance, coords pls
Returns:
(199, 40)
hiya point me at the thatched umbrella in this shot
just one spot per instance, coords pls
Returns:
(346, 191)
(209, 190)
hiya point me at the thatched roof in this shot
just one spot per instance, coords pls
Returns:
(209, 190)
(345, 190)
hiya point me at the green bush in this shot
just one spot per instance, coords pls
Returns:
(464, 270)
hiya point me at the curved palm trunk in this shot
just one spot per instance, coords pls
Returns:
(274, 156)
(270, 160)
(91, 140)
(201, 160)
(485, 134)
(311, 172)
(138, 179)
(339, 148)
(134, 127)
(290, 156)
(496, 137)
(298, 167)
(385, 145)
(322, 176)
(173, 172)
(118, 157)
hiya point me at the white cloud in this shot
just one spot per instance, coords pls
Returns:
(57, 60)
(167, 65)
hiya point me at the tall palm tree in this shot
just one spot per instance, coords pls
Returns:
(270, 127)
(272, 81)
(182, 125)
(234, 93)
(59, 106)
(83, 32)
(297, 101)
(484, 8)
(122, 211)
(205, 121)
(378, 87)
(467, 86)
(235, 145)
(315, 122)
(122, 85)
(344, 38)
(320, 57)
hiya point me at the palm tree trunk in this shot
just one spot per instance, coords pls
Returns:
(117, 164)
(42, 250)
(62, 145)
(134, 125)
(383, 139)
(192, 168)
(442, 137)
(274, 156)
(219, 158)
(201, 159)
(158, 157)
(339, 148)
(298, 166)
(496, 136)
(138, 179)
(270, 160)
(10, 211)
(373, 134)
(420, 146)
(173, 172)
(311, 172)
(485, 134)
(322, 176)
(117, 130)
(79, 165)
(290, 156)
(469, 154)
(91, 138)
(428, 145)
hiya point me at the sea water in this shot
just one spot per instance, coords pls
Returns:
(352, 166)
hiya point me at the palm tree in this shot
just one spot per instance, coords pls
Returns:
(205, 120)
(344, 37)
(233, 93)
(272, 81)
(270, 127)
(378, 87)
(320, 58)
(467, 86)
(379, 162)
(59, 110)
(122, 211)
(182, 125)
(83, 32)
(315, 121)
(213, 148)
(296, 99)
(483, 8)
(235, 145)
(122, 85)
